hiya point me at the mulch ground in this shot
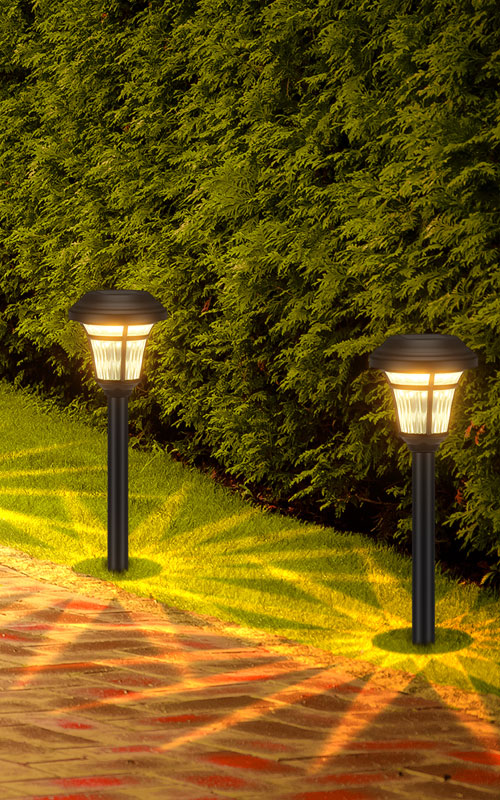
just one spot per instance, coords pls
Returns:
(109, 696)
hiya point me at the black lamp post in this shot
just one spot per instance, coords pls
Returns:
(423, 372)
(117, 323)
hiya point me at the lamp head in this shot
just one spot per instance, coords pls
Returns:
(423, 371)
(117, 323)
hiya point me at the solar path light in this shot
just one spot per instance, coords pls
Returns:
(423, 371)
(117, 323)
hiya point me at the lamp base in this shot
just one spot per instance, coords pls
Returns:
(422, 442)
(111, 389)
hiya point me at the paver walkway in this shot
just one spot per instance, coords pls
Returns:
(107, 696)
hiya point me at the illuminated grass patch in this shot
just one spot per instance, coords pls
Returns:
(196, 546)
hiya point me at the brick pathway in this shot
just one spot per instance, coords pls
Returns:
(107, 696)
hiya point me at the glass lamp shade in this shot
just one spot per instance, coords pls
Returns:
(423, 371)
(423, 400)
(117, 323)
(118, 350)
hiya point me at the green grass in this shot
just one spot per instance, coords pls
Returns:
(196, 546)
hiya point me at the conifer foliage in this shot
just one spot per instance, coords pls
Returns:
(295, 184)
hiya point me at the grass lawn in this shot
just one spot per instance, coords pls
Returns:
(196, 546)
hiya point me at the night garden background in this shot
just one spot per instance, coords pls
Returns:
(295, 185)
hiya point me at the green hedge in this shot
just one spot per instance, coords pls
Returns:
(295, 184)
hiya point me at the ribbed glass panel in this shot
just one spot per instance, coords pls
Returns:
(444, 378)
(409, 379)
(441, 409)
(139, 330)
(135, 352)
(412, 410)
(104, 330)
(107, 358)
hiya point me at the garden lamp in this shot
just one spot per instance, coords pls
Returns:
(117, 323)
(423, 371)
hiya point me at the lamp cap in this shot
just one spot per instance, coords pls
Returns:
(424, 352)
(117, 307)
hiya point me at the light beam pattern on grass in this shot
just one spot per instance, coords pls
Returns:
(187, 673)
(222, 557)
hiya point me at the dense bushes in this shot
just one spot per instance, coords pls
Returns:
(295, 185)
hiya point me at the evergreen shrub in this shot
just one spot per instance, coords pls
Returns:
(295, 183)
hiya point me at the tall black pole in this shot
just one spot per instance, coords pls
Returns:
(423, 548)
(117, 483)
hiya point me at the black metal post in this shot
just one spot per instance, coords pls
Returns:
(423, 466)
(117, 483)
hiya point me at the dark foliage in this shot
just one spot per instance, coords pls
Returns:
(295, 184)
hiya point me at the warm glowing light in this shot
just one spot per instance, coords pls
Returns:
(409, 379)
(104, 330)
(412, 410)
(135, 352)
(108, 351)
(441, 409)
(412, 405)
(384, 609)
(107, 358)
(422, 378)
(138, 330)
(446, 378)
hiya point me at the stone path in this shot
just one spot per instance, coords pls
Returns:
(107, 696)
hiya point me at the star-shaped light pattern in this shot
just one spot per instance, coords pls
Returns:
(183, 662)
(306, 583)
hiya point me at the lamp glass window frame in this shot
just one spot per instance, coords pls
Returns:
(423, 400)
(118, 350)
